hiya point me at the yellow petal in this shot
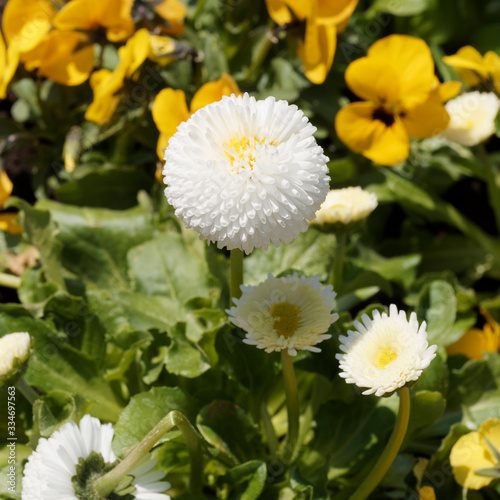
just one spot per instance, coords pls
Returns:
(427, 493)
(214, 91)
(5, 187)
(336, 12)
(472, 344)
(301, 9)
(57, 59)
(278, 11)
(317, 50)
(171, 10)
(105, 85)
(490, 429)
(412, 59)
(448, 90)
(8, 224)
(471, 453)
(360, 131)
(161, 49)
(469, 63)
(92, 14)
(162, 145)
(135, 52)
(427, 119)
(492, 61)
(169, 110)
(25, 22)
(370, 80)
(8, 68)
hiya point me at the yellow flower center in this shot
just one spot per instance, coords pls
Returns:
(385, 356)
(241, 152)
(287, 318)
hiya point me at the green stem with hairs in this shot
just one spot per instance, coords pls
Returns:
(272, 439)
(10, 281)
(292, 405)
(391, 450)
(336, 270)
(107, 483)
(236, 271)
(26, 390)
(493, 188)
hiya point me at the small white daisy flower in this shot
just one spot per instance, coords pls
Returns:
(245, 173)
(472, 117)
(14, 351)
(49, 471)
(385, 353)
(288, 313)
(345, 206)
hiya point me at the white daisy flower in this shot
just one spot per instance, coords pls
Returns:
(385, 353)
(245, 173)
(14, 351)
(472, 117)
(288, 313)
(50, 469)
(345, 206)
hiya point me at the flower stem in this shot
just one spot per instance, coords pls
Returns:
(107, 483)
(236, 269)
(391, 450)
(272, 440)
(292, 403)
(335, 277)
(26, 390)
(493, 188)
(10, 281)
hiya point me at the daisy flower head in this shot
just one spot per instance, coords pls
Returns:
(244, 173)
(288, 313)
(472, 117)
(383, 354)
(345, 206)
(53, 469)
(14, 352)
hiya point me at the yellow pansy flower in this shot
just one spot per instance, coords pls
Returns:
(7, 222)
(473, 453)
(66, 54)
(475, 69)
(88, 15)
(107, 84)
(401, 98)
(170, 107)
(476, 341)
(24, 24)
(323, 20)
(172, 11)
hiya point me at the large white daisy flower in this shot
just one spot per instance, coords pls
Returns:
(244, 173)
(49, 471)
(14, 351)
(288, 313)
(345, 206)
(472, 117)
(385, 353)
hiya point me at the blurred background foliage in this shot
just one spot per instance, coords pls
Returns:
(126, 307)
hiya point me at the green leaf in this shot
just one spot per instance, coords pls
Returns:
(426, 408)
(253, 474)
(107, 188)
(96, 241)
(311, 253)
(438, 305)
(167, 266)
(43, 233)
(145, 410)
(406, 8)
(486, 407)
(56, 366)
(229, 429)
(182, 356)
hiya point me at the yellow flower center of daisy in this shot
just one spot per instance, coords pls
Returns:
(241, 152)
(385, 356)
(287, 318)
